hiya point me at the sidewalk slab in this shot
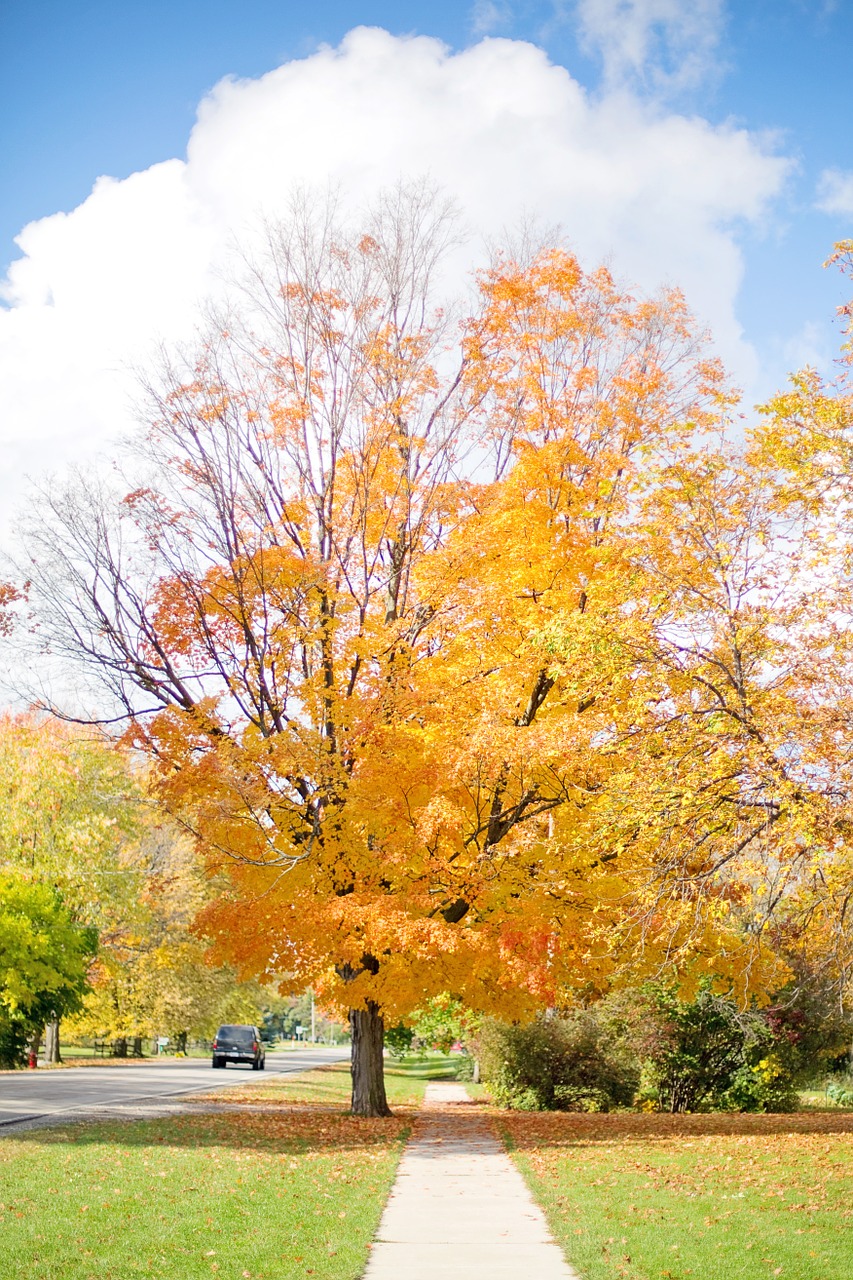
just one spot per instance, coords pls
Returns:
(459, 1209)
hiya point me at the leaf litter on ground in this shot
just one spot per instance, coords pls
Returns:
(684, 1197)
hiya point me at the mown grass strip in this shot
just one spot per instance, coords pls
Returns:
(295, 1187)
(405, 1082)
(686, 1198)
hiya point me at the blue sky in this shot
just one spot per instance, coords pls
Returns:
(750, 102)
(103, 88)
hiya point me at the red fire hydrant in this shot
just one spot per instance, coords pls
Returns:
(32, 1061)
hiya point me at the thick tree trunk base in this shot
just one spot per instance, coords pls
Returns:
(367, 1064)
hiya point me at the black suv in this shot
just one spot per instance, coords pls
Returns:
(239, 1044)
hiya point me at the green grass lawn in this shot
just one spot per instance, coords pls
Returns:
(818, 1099)
(293, 1187)
(648, 1197)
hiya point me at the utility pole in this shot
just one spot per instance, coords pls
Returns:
(313, 1023)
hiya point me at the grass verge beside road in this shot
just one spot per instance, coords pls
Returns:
(293, 1187)
(404, 1084)
(659, 1197)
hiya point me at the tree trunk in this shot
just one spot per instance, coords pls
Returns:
(51, 1042)
(120, 1047)
(136, 1050)
(367, 1064)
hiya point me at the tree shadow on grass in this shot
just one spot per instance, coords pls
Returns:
(267, 1131)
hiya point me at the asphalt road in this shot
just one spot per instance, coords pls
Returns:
(27, 1095)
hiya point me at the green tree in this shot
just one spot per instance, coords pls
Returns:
(441, 1022)
(44, 961)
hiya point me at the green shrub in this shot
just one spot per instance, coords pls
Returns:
(707, 1054)
(566, 1063)
(840, 1090)
(651, 1048)
(760, 1086)
(811, 1028)
(15, 1032)
(693, 1049)
(398, 1040)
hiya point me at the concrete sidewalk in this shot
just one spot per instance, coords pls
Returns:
(459, 1209)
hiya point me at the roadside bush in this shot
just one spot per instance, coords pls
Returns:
(840, 1090)
(651, 1048)
(566, 1063)
(706, 1054)
(398, 1040)
(15, 1032)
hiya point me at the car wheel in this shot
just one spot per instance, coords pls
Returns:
(218, 1062)
(256, 1065)
(263, 1064)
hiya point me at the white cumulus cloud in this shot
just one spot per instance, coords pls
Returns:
(490, 16)
(668, 45)
(835, 192)
(500, 128)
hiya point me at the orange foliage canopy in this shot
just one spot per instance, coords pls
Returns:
(461, 643)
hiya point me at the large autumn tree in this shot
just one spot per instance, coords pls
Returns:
(362, 606)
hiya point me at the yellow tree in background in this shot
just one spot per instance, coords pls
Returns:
(74, 817)
(805, 446)
(69, 809)
(68, 817)
(153, 975)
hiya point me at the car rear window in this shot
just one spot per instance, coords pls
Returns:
(236, 1033)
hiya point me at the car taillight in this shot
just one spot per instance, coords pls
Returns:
(215, 1045)
(255, 1046)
